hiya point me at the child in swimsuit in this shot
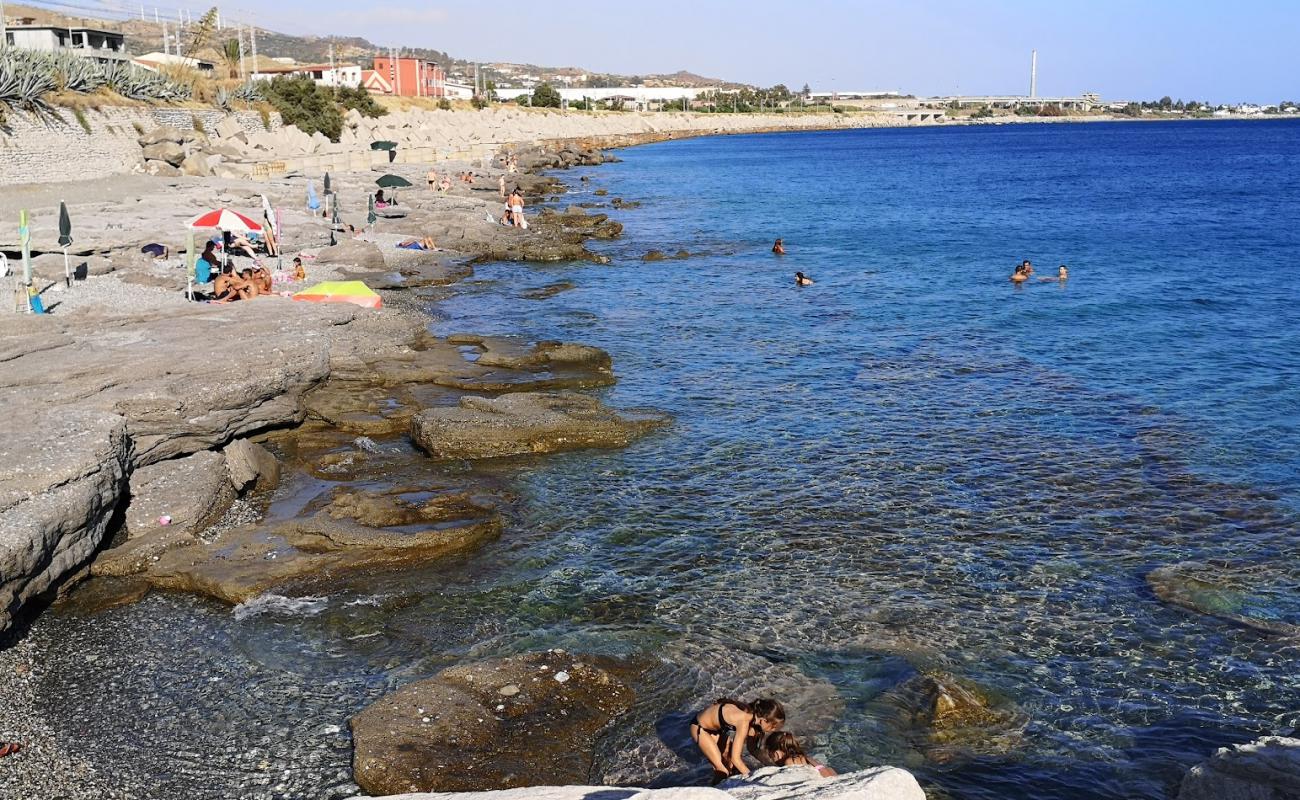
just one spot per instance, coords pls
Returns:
(783, 750)
(723, 731)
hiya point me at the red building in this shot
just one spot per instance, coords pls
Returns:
(404, 76)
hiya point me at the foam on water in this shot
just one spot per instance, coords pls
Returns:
(279, 605)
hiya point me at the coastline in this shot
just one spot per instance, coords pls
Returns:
(346, 341)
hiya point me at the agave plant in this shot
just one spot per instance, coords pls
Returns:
(73, 73)
(249, 93)
(139, 84)
(222, 99)
(25, 79)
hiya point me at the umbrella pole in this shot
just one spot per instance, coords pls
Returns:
(67, 270)
(24, 235)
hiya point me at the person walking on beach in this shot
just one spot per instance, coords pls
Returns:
(801, 279)
(779, 247)
(723, 731)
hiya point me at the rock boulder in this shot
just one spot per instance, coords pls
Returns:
(527, 422)
(507, 722)
(161, 134)
(1266, 769)
(362, 255)
(167, 152)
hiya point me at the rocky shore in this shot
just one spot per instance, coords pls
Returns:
(147, 434)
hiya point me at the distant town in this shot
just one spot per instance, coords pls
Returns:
(232, 51)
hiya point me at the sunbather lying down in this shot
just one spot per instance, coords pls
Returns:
(423, 243)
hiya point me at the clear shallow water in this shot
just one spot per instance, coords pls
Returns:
(910, 465)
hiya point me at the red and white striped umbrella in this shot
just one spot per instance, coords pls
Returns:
(226, 220)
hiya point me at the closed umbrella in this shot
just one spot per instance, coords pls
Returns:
(327, 183)
(334, 225)
(370, 215)
(65, 239)
(329, 200)
(25, 238)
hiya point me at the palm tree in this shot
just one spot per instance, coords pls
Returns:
(231, 52)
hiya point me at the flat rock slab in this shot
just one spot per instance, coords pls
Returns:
(500, 723)
(768, 783)
(527, 423)
(190, 492)
(357, 531)
(1266, 769)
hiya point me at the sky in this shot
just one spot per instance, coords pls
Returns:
(1223, 51)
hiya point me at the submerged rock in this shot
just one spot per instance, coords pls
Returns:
(1265, 769)
(548, 291)
(1238, 594)
(528, 422)
(948, 718)
(492, 724)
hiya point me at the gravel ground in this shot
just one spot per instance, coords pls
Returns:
(45, 769)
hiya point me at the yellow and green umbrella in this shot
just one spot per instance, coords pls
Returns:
(354, 292)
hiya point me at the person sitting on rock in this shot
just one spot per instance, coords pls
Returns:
(261, 278)
(725, 729)
(380, 202)
(253, 286)
(299, 271)
(783, 750)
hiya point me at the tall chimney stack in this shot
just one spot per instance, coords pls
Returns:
(1033, 74)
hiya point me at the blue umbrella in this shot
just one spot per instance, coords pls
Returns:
(313, 202)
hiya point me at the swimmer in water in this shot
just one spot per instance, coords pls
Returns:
(801, 279)
(779, 247)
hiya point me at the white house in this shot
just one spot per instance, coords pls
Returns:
(340, 75)
(89, 42)
(152, 61)
(642, 96)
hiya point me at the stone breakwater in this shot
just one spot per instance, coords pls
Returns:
(112, 141)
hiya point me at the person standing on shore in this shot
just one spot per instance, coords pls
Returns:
(501, 186)
(516, 203)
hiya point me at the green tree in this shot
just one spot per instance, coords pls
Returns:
(358, 98)
(306, 106)
(230, 53)
(490, 91)
(1166, 103)
(806, 91)
(546, 96)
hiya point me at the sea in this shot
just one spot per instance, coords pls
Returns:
(910, 468)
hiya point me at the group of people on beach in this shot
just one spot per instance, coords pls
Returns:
(1025, 270)
(229, 285)
(728, 729)
(514, 213)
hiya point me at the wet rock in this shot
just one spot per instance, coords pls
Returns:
(447, 733)
(548, 291)
(601, 192)
(250, 466)
(1244, 595)
(316, 550)
(362, 408)
(948, 718)
(528, 422)
(101, 594)
(654, 255)
(1265, 769)
(622, 204)
(498, 365)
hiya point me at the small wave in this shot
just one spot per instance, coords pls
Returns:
(279, 604)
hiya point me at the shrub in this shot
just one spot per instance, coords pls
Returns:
(478, 102)
(358, 98)
(305, 105)
(546, 96)
(444, 104)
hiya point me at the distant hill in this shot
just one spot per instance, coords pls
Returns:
(146, 36)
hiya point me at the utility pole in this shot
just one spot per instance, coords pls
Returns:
(239, 37)
(4, 33)
(252, 34)
(334, 75)
(1033, 74)
(165, 50)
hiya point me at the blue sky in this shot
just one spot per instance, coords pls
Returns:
(1221, 51)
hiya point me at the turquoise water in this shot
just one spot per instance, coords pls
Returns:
(909, 466)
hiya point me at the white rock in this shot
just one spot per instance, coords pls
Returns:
(769, 783)
(1265, 769)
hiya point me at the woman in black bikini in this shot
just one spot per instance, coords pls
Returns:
(723, 731)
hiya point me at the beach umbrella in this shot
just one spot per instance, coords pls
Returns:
(354, 292)
(65, 239)
(327, 183)
(226, 220)
(313, 202)
(370, 215)
(383, 144)
(191, 264)
(334, 224)
(25, 238)
(393, 182)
